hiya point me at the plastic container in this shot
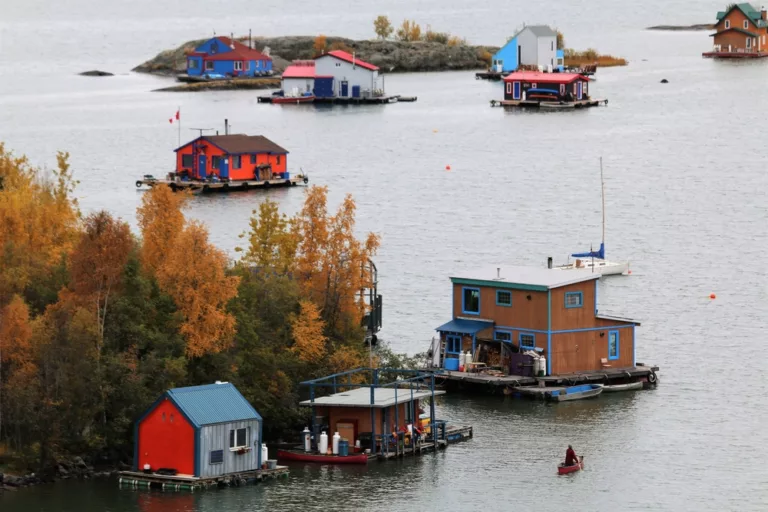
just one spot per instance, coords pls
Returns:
(343, 448)
(467, 360)
(271, 464)
(286, 175)
(543, 366)
(452, 364)
(335, 443)
(307, 439)
(536, 366)
(264, 453)
(322, 446)
(461, 361)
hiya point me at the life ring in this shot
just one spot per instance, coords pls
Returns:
(652, 377)
(306, 180)
(138, 184)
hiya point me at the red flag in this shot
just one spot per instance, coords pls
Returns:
(178, 113)
(170, 120)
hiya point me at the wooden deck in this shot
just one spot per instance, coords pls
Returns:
(549, 105)
(376, 100)
(735, 55)
(222, 186)
(192, 483)
(453, 434)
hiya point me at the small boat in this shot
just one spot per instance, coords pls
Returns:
(292, 99)
(575, 392)
(562, 469)
(299, 456)
(595, 260)
(556, 105)
(614, 388)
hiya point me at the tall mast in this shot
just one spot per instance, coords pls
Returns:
(602, 193)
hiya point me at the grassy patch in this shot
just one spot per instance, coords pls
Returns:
(573, 58)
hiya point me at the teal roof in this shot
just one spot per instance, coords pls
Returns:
(464, 326)
(749, 10)
(212, 403)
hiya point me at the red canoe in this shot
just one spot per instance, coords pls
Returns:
(358, 458)
(564, 470)
(299, 99)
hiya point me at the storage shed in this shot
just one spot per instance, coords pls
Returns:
(202, 431)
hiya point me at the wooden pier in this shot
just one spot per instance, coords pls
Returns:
(375, 100)
(222, 186)
(518, 384)
(549, 105)
(138, 479)
(450, 435)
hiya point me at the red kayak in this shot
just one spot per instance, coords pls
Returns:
(287, 99)
(358, 458)
(562, 469)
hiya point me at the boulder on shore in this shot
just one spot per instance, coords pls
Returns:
(390, 56)
(96, 72)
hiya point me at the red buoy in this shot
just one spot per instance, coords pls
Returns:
(712, 296)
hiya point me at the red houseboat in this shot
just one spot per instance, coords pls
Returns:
(534, 88)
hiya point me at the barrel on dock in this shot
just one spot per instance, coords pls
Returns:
(452, 364)
(343, 448)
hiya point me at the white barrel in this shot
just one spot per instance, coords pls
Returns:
(322, 446)
(264, 453)
(461, 360)
(307, 440)
(536, 366)
(335, 446)
(543, 364)
(467, 360)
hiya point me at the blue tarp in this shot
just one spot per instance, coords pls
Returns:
(463, 326)
(592, 254)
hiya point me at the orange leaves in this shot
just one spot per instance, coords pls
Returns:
(347, 358)
(307, 329)
(161, 220)
(319, 45)
(15, 332)
(272, 239)
(192, 271)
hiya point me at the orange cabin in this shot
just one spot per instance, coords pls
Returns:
(231, 157)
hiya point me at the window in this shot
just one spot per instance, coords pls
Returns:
(585, 87)
(562, 89)
(453, 344)
(502, 336)
(238, 65)
(613, 345)
(214, 47)
(509, 87)
(749, 43)
(192, 63)
(533, 85)
(247, 65)
(187, 161)
(238, 438)
(209, 65)
(503, 298)
(215, 161)
(527, 340)
(470, 301)
(574, 300)
(253, 159)
(236, 161)
(746, 24)
(727, 23)
(278, 159)
(258, 64)
(217, 457)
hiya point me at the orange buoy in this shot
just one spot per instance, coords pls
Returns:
(447, 167)
(712, 296)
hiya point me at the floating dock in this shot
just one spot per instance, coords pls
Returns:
(138, 479)
(376, 100)
(536, 386)
(548, 105)
(222, 186)
(735, 55)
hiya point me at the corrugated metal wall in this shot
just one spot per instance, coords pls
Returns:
(216, 437)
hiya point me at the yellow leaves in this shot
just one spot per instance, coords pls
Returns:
(272, 239)
(15, 332)
(347, 358)
(319, 45)
(192, 272)
(307, 328)
(161, 220)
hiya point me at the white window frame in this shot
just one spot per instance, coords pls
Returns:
(247, 65)
(509, 87)
(746, 24)
(233, 444)
(238, 65)
(727, 23)
(749, 43)
(209, 65)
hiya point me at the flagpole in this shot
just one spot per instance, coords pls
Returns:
(179, 120)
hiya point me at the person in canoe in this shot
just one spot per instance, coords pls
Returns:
(570, 457)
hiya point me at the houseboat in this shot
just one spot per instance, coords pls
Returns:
(533, 46)
(547, 90)
(741, 33)
(372, 413)
(532, 328)
(199, 436)
(228, 162)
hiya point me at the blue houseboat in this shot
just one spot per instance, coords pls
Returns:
(227, 57)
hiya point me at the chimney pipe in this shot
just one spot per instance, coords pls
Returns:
(498, 273)
(549, 262)
(226, 127)
(250, 40)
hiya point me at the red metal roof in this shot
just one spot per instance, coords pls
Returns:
(342, 55)
(548, 78)
(300, 71)
(240, 52)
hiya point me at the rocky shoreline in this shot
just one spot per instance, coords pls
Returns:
(701, 26)
(75, 469)
(390, 56)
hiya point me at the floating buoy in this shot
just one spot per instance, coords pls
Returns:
(434, 131)
(629, 272)
(712, 296)
(447, 167)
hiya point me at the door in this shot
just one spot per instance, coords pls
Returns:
(344, 89)
(579, 90)
(202, 162)
(346, 430)
(614, 348)
(224, 168)
(516, 90)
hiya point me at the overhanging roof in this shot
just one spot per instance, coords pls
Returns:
(525, 278)
(618, 319)
(465, 326)
(212, 403)
(361, 397)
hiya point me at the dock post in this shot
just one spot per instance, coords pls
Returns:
(432, 409)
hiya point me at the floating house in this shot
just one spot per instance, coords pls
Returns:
(227, 57)
(200, 431)
(529, 85)
(299, 78)
(513, 319)
(372, 419)
(741, 33)
(341, 74)
(533, 46)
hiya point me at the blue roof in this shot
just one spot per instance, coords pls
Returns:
(212, 403)
(464, 326)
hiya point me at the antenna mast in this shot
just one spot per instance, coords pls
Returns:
(201, 130)
(602, 193)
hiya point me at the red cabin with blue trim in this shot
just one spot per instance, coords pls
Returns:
(538, 86)
(202, 431)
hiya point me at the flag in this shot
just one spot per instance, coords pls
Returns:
(177, 116)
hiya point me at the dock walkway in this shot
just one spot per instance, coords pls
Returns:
(192, 483)
(374, 100)
(222, 186)
(549, 105)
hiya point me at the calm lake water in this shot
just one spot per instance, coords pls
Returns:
(686, 187)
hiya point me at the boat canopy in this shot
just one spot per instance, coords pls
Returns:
(600, 254)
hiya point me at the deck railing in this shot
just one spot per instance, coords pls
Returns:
(396, 443)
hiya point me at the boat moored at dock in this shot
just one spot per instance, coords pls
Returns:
(574, 392)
